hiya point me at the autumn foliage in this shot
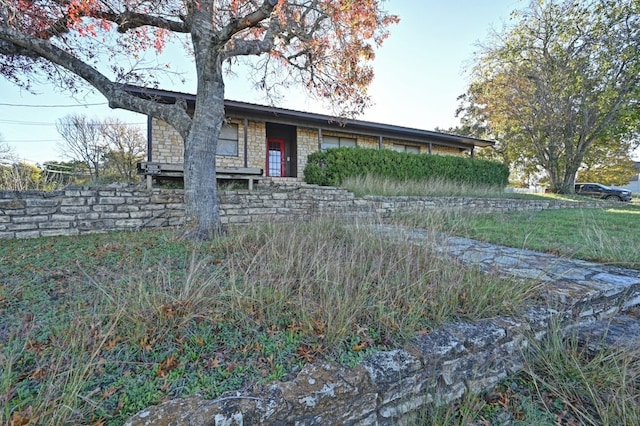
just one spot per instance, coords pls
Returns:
(324, 46)
(328, 43)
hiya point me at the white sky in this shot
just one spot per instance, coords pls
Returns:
(420, 71)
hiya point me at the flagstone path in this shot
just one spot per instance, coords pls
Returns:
(604, 298)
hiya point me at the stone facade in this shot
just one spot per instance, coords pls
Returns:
(167, 145)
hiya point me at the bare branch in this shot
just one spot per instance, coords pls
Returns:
(129, 20)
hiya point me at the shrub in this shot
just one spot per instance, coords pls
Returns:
(331, 167)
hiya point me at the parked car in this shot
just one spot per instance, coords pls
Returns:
(598, 190)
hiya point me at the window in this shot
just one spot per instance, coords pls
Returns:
(406, 148)
(337, 142)
(228, 140)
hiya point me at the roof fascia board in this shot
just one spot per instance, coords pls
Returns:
(240, 109)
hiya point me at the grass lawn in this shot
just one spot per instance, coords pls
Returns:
(94, 328)
(607, 236)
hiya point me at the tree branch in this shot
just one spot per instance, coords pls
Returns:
(248, 21)
(129, 20)
(15, 43)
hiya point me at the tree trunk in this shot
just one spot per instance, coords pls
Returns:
(201, 195)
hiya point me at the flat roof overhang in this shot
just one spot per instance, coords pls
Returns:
(247, 110)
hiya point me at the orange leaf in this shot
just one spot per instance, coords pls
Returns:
(38, 373)
(215, 363)
(167, 365)
(21, 418)
(359, 346)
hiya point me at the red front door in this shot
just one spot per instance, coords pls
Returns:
(275, 157)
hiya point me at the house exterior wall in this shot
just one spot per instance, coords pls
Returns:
(308, 140)
(167, 145)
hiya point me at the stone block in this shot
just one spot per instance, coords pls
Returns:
(129, 223)
(114, 216)
(141, 214)
(239, 219)
(88, 216)
(127, 208)
(103, 208)
(34, 211)
(75, 209)
(76, 201)
(138, 200)
(41, 202)
(111, 200)
(54, 225)
(12, 204)
(27, 234)
(30, 219)
(63, 217)
(58, 232)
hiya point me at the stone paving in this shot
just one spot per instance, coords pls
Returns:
(602, 296)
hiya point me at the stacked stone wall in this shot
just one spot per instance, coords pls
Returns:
(30, 214)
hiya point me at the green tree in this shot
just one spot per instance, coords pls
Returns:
(324, 45)
(564, 76)
(21, 176)
(608, 161)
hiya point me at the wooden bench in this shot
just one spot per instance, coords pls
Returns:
(176, 170)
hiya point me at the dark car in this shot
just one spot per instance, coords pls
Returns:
(598, 190)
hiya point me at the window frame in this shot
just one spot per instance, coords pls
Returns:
(223, 140)
(349, 142)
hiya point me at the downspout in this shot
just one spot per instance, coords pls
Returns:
(379, 142)
(430, 148)
(319, 139)
(149, 138)
(246, 142)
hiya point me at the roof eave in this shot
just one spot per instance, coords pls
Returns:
(288, 116)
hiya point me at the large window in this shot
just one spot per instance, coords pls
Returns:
(228, 140)
(337, 142)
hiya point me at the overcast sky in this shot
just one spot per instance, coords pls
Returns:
(420, 71)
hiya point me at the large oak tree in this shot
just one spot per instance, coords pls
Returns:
(565, 75)
(325, 45)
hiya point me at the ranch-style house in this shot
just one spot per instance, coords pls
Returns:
(275, 142)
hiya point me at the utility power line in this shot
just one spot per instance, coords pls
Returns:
(51, 106)
(44, 123)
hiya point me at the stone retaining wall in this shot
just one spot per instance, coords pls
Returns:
(387, 388)
(29, 214)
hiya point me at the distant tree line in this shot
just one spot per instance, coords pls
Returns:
(97, 152)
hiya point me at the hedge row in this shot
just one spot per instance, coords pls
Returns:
(331, 167)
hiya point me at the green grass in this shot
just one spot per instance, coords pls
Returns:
(94, 328)
(607, 235)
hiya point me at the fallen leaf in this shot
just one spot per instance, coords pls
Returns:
(167, 365)
(359, 346)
